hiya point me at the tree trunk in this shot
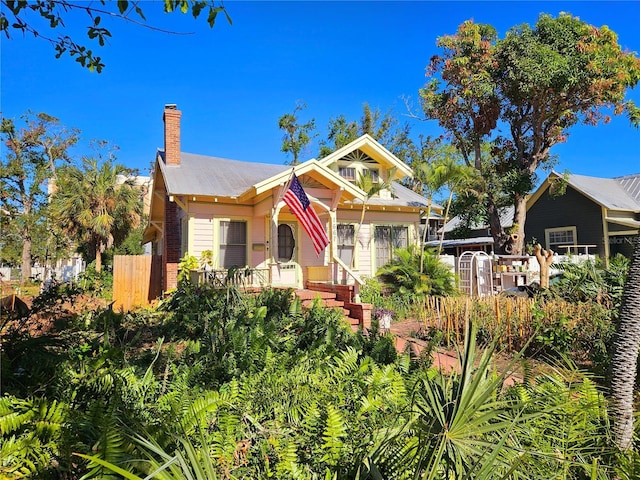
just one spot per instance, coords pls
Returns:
(98, 256)
(26, 258)
(545, 259)
(25, 261)
(500, 239)
(519, 219)
(625, 356)
(425, 234)
(356, 234)
(446, 215)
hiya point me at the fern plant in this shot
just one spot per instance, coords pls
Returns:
(187, 461)
(30, 434)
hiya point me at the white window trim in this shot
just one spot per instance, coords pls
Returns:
(410, 235)
(294, 225)
(547, 231)
(356, 248)
(361, 169)
(185, 235)
(216, 238)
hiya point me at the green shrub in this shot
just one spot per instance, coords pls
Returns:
(408, 272)
(94, 283)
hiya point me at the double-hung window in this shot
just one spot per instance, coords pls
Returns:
(345, 242)
(233, 243)
(387, 239)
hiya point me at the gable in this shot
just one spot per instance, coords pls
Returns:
(315, 172)
(365, 153)
(610, 193)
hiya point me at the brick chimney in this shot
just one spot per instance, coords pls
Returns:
(171, 119)
(172, 230)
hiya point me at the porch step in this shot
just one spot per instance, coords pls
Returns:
(328, 303)
(328, 300)
(306, 294)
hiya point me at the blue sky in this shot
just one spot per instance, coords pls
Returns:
(233, 82)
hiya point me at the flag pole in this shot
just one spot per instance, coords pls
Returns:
(286, 187)
(274, 219)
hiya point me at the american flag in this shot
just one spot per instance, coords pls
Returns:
(299, 204)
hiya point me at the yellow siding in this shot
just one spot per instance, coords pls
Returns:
(202, 235)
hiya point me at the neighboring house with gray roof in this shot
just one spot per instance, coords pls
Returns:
(578, 213)
(568, 214)
(234, 210)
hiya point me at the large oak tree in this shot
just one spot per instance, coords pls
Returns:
(522, 94)
(31, 156)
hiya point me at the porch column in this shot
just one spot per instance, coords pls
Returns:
(273, 243)
(333, 248)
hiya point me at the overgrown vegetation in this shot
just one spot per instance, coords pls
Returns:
(214, 383)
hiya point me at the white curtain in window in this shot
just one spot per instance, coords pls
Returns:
(233, 243)
(387, 239)
(345, 243)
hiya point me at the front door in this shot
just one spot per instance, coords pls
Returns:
(287, 255)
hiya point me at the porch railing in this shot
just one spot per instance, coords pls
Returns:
(239, 277)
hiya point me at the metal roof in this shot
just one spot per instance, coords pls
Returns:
(612, 193)
(402, 197)
(203, 175)
(460, 242)
(631, 185)
(506, 220)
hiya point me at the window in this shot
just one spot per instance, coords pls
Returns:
(375, 174)
(345, 242)
(348, 173)
(387, 239)
(557, 237)
(286, 242)
(184, 236)
(233, 243)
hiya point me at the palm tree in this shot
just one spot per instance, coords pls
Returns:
(409, 273)
(453, 176)
(430, 180)
(97, 204)
(624, 361)
(371, 187)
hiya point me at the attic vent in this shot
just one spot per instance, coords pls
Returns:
(357, 156)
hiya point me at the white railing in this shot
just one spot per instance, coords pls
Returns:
(240, 277)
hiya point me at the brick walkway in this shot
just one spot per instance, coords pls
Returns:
(446, 360)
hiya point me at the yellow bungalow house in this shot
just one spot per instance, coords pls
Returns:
(235, 210)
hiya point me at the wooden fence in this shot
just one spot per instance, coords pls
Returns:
(137, 281)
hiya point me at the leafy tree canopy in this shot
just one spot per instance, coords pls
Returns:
(97, 204)
(383, 127)
(44, 19)
(296, 136)
(522, 94)
(30, 159)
